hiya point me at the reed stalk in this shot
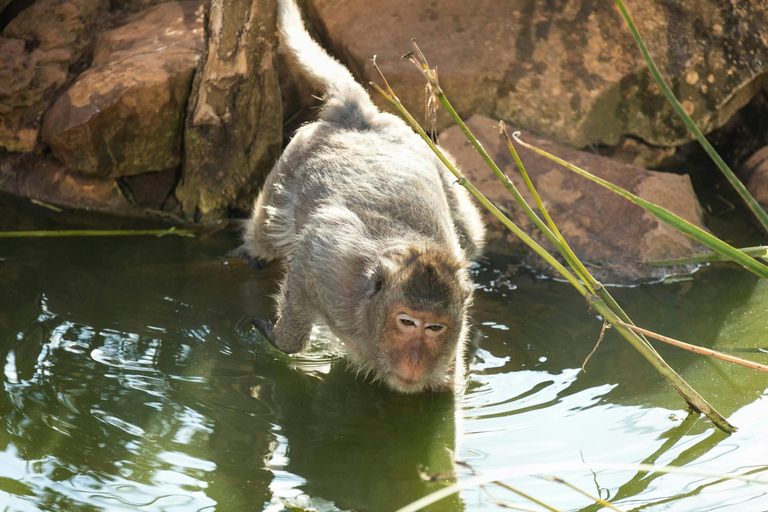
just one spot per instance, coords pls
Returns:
(700, 350)
(96, 232)
(663, 214)
(550, 468)
(759, 251)
(750, 201)
(596, 499)
(587, 289)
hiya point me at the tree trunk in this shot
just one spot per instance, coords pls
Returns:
(233, 131)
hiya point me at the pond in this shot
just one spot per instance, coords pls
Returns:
(132, 380)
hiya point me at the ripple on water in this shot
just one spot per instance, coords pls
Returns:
(116, 422)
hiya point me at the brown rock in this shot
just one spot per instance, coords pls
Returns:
(46, 180)
(634, 152)
(568, 70)
(124, 115)
(754, 172)
(151, 190)
(38, 47)
(600, 226)
(234, 125)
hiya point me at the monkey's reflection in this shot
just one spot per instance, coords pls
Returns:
(355, 443)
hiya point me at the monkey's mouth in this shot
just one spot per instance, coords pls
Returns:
(406, 385)
(405, 380)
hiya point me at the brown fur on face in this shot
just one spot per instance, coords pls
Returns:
(425, 297)
(415, 340)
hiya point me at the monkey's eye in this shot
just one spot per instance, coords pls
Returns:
(407, 322)
(435, 327)
(379, 285)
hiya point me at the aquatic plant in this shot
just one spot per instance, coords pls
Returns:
(579, 277)
(750, 201)
(547, 471)
(96, 232)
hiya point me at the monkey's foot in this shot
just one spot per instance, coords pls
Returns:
(266, 329)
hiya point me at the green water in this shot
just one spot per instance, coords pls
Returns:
(131, 380)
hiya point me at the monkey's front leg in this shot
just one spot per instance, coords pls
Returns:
(265, 328)
(290, 333)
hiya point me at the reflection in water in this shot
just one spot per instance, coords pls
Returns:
(131, 378)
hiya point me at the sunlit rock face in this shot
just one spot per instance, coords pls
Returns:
(600, 226)
(123, 116)
(568, 70)
(38, 48)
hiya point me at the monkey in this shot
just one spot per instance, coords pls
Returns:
(374, 234)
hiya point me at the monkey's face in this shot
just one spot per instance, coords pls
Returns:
(418, 348)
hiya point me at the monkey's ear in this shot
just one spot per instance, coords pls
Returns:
(379, 276)
(466, 286)
(375, 283)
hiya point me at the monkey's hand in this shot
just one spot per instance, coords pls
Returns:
(266, 329)
(242, 253)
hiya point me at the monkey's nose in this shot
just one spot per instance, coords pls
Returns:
(411, 368)
(414, 353)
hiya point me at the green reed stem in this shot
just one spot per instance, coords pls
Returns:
(753, 205)
(760, 251)
(596, 302)
(96, 232)
(665, 215)
(553, 235)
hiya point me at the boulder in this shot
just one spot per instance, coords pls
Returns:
(38, 48)
(754, 172)
(604, 229)
(124, 115)
(46, 180)
(568, 70)
(233, 133)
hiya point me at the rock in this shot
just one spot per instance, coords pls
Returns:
(568, 70)
(233, 132)
(124, 115)
(4, 4)
(135, 5)
(38, 48)
(634, 152)
(48, 181)
(754, 172)
(600, 226)
(151, 190)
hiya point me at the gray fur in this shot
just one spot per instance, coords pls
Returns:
(351, 192)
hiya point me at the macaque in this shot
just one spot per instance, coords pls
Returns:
(373, 230)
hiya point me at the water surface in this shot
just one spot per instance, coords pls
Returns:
(132, 380)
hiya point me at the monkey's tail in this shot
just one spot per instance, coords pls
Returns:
(346, 102)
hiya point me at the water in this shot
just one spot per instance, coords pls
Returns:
(132, 380)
